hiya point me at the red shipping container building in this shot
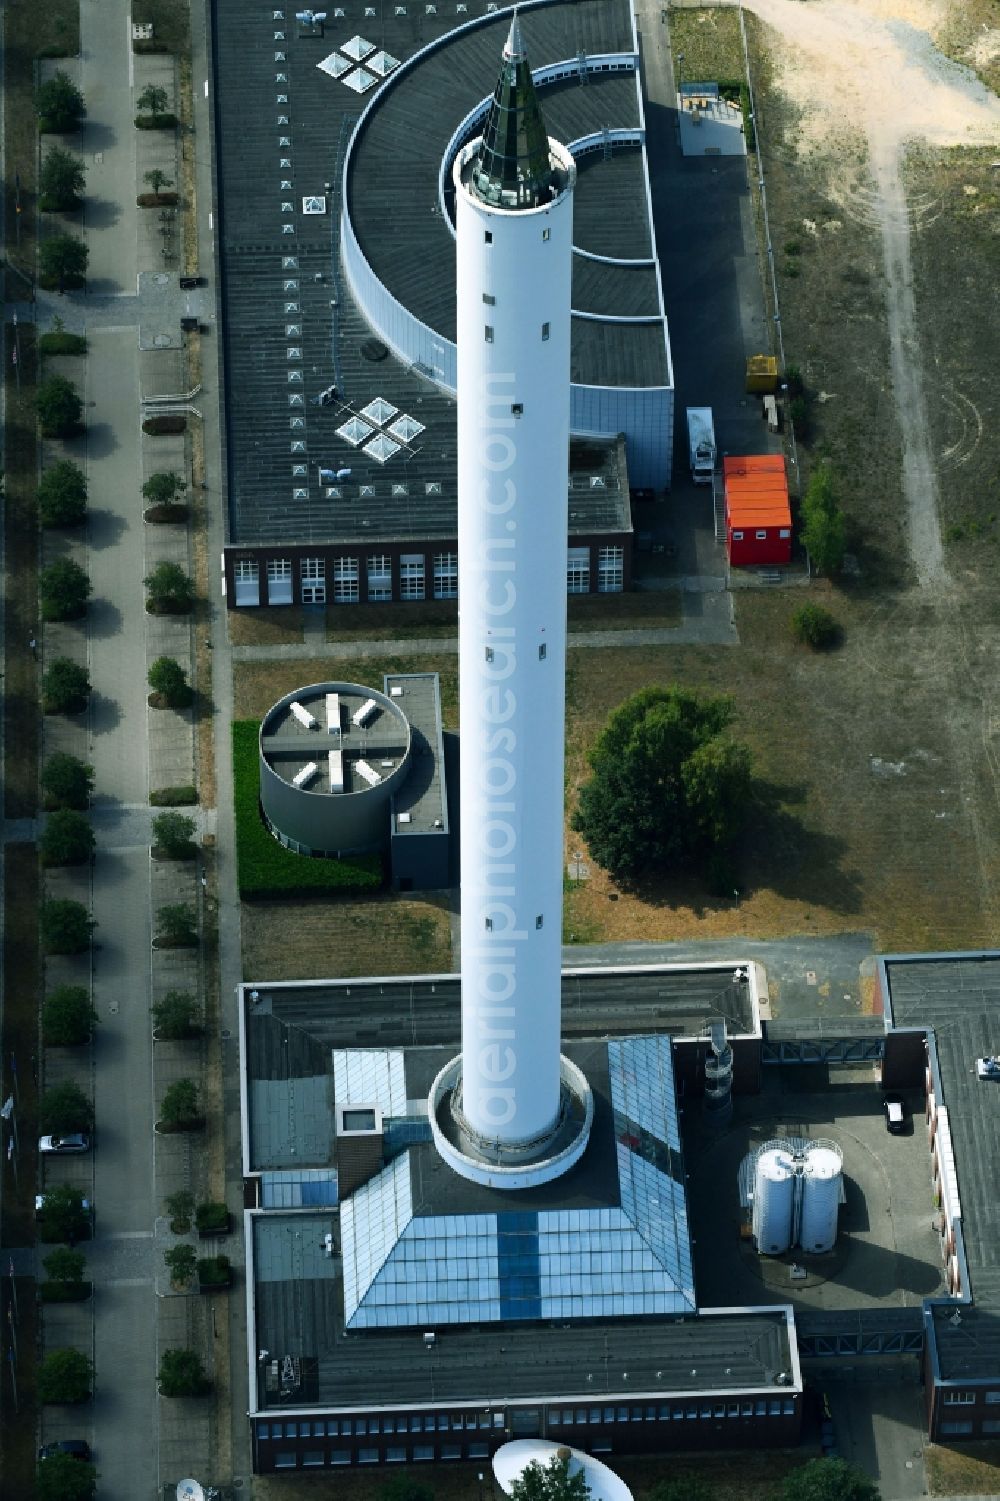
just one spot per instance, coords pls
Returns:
(758, 518)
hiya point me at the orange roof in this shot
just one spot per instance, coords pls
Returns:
(756, 490)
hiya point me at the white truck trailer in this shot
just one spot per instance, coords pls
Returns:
(701, 444)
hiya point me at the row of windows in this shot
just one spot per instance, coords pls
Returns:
(412, 577)
(759, 1407)
(969, 1398)
(488, 235)
(394, 1455)
(414, 1422)
(988, 1425)
(762, 536)
(488, 327)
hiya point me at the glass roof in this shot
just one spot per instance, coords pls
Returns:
(370, 1076)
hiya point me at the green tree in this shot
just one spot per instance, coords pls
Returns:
(669, 789)
(62, 262)
(169, 683)
(63, 1477)
(163, 488)
(827, 1480)
(815, 627)
(551, 1482)
(180, 1208)
(65, 1375)
(62, 495)
(157, 180)
(59, 104)
(64, 1265)
(169, 590)
(67, 839)
(65, 687)
(58, 406)
(67, 782)
(61, 181)
(176, 1016)
(823, 521)
(173, 836)
(152, 101)
(176, 927)
(181, 1110)
(182, 1374)
(68, 1017)
(64, 1109)
(62, 1216)
(66, 926)
(63, 590)
(181, 1262)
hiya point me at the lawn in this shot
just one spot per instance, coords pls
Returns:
(387, 934)
(710, 41)
(963, 1469)
(258, 685)
(269, 626)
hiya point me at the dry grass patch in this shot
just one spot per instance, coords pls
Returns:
(963, 1469)
(638, 610)
(258, 685)
(392, 621)
(317, 939)
(272, 625)
(971, 35)
(710, 41)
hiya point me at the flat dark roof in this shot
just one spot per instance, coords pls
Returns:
(958, 997)
(423, 795)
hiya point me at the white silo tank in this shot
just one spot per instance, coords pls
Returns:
(820, 1199)
(773, 1201)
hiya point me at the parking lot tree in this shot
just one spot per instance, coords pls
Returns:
(827, 1480)
(669, 789)
(64, 1109)
(68, 1017)
(153, 103)
(157, 180)
(63, 1477)
(823, 521)
(67, 782)
(67, 839)
(65, 1265)
(176, 1016)
(58, 406)
(182, 1374)
(181, 1109)
(66, 926)
(550, 1482)
(180, 1208)
(176, 927)
(63, 590)
(168, 680)
(169, 591)
(173, 836)
(62, 263)
(163, 488)
(65, 1375)
(62, 495)
(61, 181)
(62, 1216)
(65, 687)
(59, 104)
(181, 1262)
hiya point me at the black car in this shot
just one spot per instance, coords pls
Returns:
(77, 1447)
(896, 1114)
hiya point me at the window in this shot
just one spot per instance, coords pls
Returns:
(411, 576)
(539, 921)
(542, 650)
(425, 1451)
(246, 576)
(610, 570)
(345, 581)
(451, 1451)
(959, 1399)
(340, 1456)
(379, 578)
(446, 575)
(488, 237)
(784, 532)
(578, 571)
(489, 333)
(332, 1428)
(367, 1456)
(517, 408)
(285, 1461)
(279, 581)
(291, 1430)
(489, 300)
(992, 1398)
(956, 1428)
(313, 1459)
(737, 536)
(395, 1456)
(546, 329)
(479, 1451)
(546, 234)
(264, 1430)
(761, 536)
(990, 1425)
(313, 574)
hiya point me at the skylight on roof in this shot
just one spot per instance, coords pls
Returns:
(379, 411)
(381, 448)
(359, 81)
(335, 65)
(382, 63)
(354, 431)
(406, 427)
(358, 48)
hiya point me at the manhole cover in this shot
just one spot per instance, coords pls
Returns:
(162, 341)
(98, 157)
(161, 279)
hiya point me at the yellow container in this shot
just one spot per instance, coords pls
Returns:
(762, 374)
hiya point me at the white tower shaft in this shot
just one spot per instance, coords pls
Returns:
(514, 279)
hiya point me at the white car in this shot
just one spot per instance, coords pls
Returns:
(988, 1068)
(74, 1141)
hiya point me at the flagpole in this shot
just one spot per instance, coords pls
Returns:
(13, 1287)
(17, 206)
(13, 1376)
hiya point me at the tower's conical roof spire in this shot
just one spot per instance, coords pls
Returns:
(514, 169)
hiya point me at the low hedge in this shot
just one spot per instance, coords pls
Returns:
(157, 200)
(64, 1292)
(60, 342)
(167, 422)
(155, 122)
(263, 867)
(167, 513)
(174, 797)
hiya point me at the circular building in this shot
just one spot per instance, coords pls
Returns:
(331, 757)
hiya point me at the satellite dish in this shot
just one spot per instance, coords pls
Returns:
(190, 1490)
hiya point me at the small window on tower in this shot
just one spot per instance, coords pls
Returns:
(539, 921)
(541, 652)
(489, 333)
(489, 301)
(546, 234)
(488, 237)
(517, 408)
(545, 331)
(489, 654)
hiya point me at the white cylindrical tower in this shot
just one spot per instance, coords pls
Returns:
(514, 226)
(821, 1198)
(773, 1201)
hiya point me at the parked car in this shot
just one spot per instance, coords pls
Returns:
(988, 1068)
(77, 1447)
(74, 1141)
(40, 1204)
(896, 1114)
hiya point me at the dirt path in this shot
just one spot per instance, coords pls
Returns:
(874, 63)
